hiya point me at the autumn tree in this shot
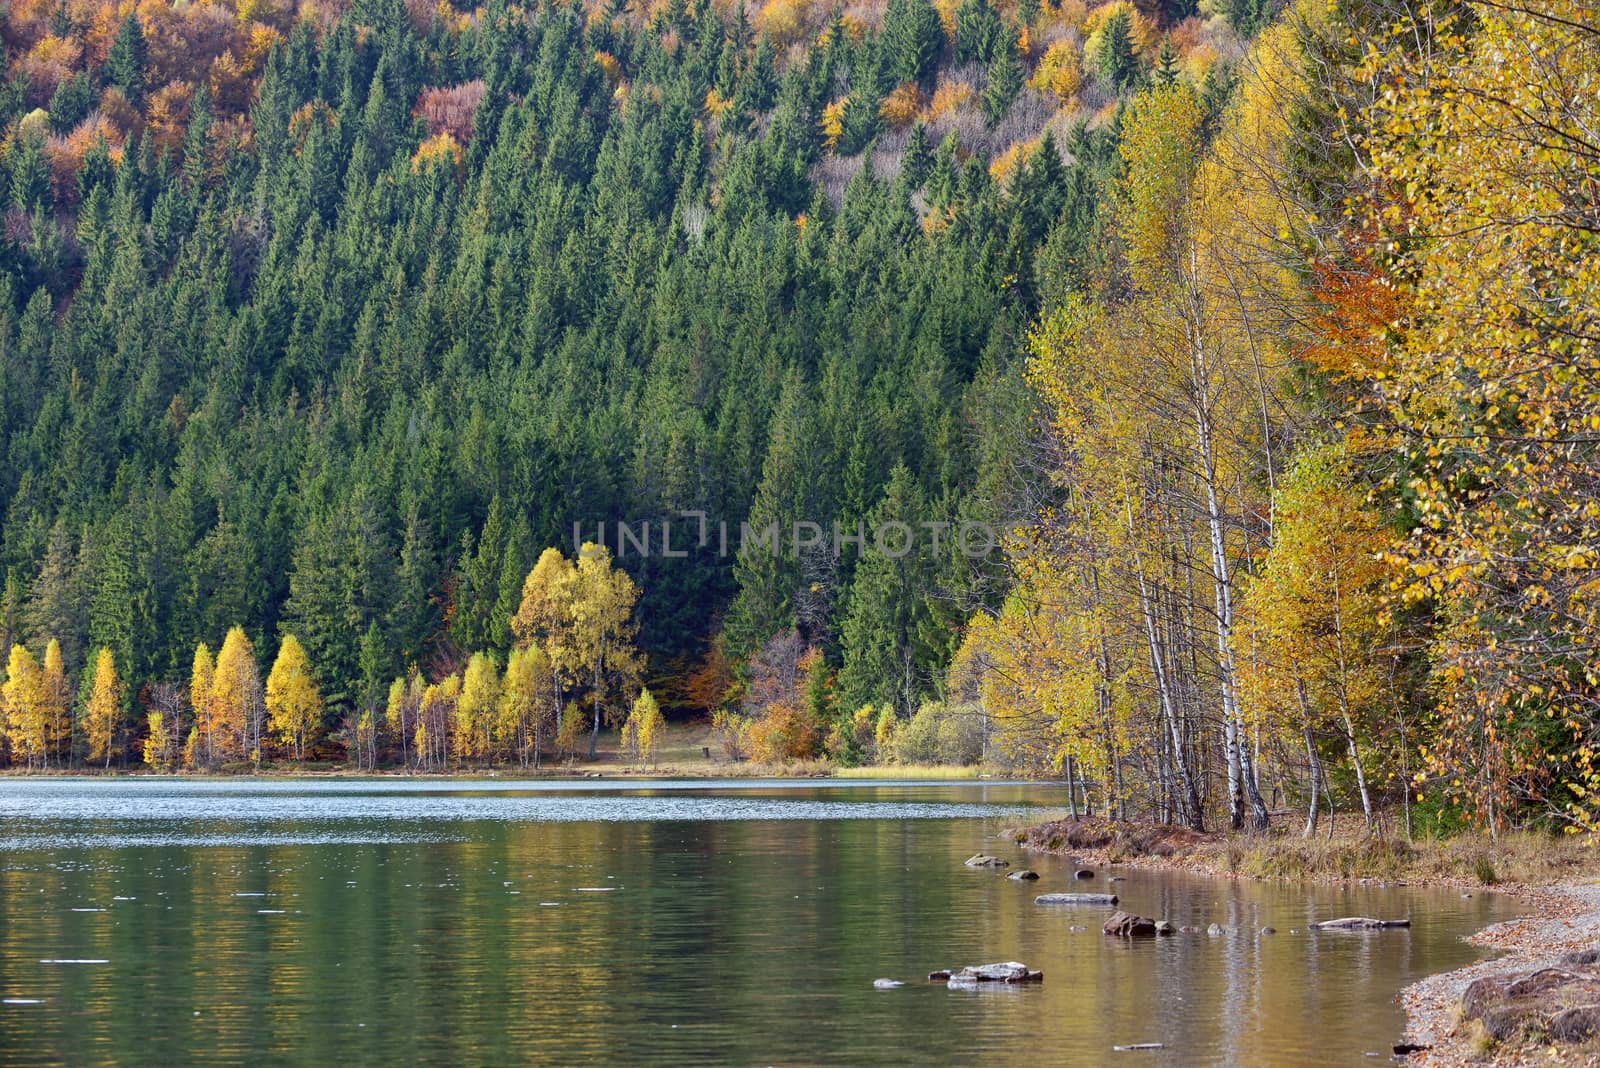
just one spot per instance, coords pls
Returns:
(103, 711)
(202, 749)
(237, 699)
(26, 718)
(473, 729)
(1482, 155)
(293, 702)
(641, 733)
(56, 694)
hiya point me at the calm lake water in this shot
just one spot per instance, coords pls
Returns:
(164, 922)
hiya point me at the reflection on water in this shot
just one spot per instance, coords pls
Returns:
(165, 922)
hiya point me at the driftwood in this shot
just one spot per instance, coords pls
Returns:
(1075, 899)
(1359, 923)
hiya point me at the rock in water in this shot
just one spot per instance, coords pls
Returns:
(1083, 873)
(1024, 873)
(1164, 927)
(1359, 923)
(1075, 899)
(886, 984)
(969, 977)
(1269, 930)
(1127, 925)
(984, 860)
(1215, 930)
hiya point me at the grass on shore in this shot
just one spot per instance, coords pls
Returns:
(1527, 858)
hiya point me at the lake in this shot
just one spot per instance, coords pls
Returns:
(585, 922)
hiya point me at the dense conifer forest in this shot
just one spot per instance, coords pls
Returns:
(1263, 339)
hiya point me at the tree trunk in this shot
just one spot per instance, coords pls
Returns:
(594, 735)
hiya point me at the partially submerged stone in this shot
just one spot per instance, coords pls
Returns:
(1075, 899)
(1023, 874)
(1359, 923)
(984, 860)
(886, 984)
(972, 975)
(1127, 925)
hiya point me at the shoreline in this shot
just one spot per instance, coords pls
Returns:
(601, 769)
(1563, 916)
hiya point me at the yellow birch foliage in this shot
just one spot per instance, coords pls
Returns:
(24, 705)
(294, 704)
(104, 707)
(236, 699)
(641, 734)
(477, 707)
(57, 698)
(202, 698)
(1484, 156)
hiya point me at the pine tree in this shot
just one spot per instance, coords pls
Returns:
(1119, 66)
(128, 60)
(1166, 71)
(918, 158)
(1005, 82)
(912, 38)
(979, 32)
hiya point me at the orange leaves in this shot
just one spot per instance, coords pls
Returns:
(1358, 311)
(167, 115)
(66, 153)
(901, 106)
(949, 96)
(1013, 159)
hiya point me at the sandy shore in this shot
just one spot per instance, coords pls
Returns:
(1564, 918)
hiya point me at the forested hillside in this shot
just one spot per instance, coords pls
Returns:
(328, 320)
(1265, 337)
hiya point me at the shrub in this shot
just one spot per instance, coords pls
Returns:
(940, 734)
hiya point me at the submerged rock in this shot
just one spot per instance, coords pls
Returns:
(886, 984)
(984, 860)
(1127, 925)
(1359, 923)
(1216, 929)
(1075, 899)
(1164, 927)
(1269, 930)
(1023, 874)
(1083, 873)
(968, 978)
